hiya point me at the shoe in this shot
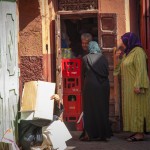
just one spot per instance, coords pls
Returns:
(85, 139)
(134, 139)
(131, 136)
(82, 135)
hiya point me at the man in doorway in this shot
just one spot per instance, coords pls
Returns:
(85, 39)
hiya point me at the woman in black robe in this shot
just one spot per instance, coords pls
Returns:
(96, 91)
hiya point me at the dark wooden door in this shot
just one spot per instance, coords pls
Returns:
(107, 32)
(145, 28)
(148, 32)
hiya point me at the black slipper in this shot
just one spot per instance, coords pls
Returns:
(134, 139)
(85, 139)
(82, 135)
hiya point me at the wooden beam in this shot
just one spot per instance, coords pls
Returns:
(77, 12)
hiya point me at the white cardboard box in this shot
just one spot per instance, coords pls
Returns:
(36, 99)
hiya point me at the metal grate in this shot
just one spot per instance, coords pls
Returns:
(66, 5)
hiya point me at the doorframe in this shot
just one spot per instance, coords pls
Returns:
(116, 83)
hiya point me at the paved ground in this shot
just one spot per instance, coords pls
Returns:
(117, 142)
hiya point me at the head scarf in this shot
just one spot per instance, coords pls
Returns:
(130, 40)
(94, 47)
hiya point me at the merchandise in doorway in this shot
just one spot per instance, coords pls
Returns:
(71, 31)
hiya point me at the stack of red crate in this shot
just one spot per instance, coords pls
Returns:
(72, 97)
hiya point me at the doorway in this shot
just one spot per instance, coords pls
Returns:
(103, 28)
(72, 27)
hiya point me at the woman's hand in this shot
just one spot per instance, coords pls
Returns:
(137, 90)
(120, 52)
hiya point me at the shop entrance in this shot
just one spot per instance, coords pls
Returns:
(103, 27)
(70, 62)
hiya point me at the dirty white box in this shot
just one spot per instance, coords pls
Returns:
(36, 100)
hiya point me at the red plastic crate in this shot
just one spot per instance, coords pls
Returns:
(71, 67)
(71, 84)
(72, 104)
(71, 118)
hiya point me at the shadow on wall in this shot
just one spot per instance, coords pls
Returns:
(28, 11)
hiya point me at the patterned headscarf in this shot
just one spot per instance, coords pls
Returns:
(130, 40)
(94, 47)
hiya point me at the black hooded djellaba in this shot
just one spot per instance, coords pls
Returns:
(96, 92)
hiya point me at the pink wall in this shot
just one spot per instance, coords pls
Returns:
(30, 26)
(30, 41)
(118, 7)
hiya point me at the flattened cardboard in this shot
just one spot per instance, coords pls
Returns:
(29, 96)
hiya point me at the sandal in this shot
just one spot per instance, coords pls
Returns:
(131, 136)
(134, 139)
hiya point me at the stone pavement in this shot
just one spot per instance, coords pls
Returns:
(117, 142)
